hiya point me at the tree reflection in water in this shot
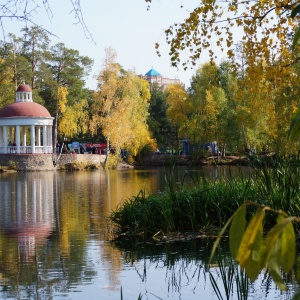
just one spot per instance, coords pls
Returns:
(54, 242)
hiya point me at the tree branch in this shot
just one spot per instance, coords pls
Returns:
(24, 10)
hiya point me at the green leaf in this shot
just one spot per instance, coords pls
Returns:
(249, 237)
(216, 243)
(288, 246)
(296, 38)
(295, 11)
(237, 230)
(274, 271)
(278, 241)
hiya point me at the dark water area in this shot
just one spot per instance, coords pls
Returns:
(55, 241)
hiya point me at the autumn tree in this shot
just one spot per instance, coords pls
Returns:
(120, 107)
(262, 30)
(7, 87)
(178, 112)
(228, 132)
(107, 96)
(208, 101)
(262, 26)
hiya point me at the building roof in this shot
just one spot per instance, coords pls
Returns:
(24, 109)
(152, 72)
(24, 88)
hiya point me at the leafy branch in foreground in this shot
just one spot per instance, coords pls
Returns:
(254, 250)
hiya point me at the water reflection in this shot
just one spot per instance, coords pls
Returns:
(54, 241)
(26, 210)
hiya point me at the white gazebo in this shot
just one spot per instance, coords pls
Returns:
(25, 126)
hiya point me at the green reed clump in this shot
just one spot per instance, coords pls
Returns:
(278, 184)
(210, 203)
(207, 205)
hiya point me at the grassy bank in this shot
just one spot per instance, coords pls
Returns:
(208, 205)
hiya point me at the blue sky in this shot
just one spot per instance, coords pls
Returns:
(126, 26)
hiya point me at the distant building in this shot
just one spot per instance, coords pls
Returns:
(152, 76)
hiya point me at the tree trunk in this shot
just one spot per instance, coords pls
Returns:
(107, 152)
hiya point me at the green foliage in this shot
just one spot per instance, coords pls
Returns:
(159, 125)
(13, 165)
(277, 180)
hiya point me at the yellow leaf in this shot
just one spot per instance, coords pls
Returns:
(253, 265)
(247, 243)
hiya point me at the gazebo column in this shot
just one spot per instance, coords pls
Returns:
(32, 138)
(17, 133)
(38, 132)
(50, 138)
(5, 138)
(45, 139)
(24, 139)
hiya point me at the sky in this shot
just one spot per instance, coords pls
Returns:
(126, 26)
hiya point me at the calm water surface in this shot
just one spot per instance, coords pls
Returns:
(55, 242)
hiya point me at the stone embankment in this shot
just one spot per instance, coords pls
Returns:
(49, 162)
(27, 162)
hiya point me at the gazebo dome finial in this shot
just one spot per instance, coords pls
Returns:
(24, 93)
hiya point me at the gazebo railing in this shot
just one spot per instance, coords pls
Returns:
(25, 149)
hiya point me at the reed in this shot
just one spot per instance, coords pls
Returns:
(139, 296)
(209, 203)
(229, 273)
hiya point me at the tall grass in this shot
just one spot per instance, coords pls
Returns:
(209, 203)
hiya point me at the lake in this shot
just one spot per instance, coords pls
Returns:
(55, 242)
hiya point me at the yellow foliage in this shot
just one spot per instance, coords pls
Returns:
(62, 93)
(120, 107)
(263, 26)
(74, 120)
(179, 107)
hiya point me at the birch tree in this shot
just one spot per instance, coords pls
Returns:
(120, 107)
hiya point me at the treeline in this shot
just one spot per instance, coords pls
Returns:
(241, 108)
